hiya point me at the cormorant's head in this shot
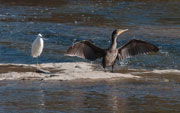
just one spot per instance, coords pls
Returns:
(117, 32)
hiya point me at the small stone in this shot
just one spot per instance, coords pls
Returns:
(77, 67)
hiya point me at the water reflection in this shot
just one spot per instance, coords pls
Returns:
(119, 96)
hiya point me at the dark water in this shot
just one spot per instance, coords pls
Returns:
(63, 22)
(127, 96)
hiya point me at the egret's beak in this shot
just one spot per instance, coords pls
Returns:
(121, 31)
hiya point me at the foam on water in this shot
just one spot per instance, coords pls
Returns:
(166, 71)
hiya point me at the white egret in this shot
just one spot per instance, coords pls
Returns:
(37, 47)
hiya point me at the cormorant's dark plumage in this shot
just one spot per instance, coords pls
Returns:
(87, 50)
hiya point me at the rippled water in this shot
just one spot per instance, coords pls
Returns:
(121, 96)
(63, 22)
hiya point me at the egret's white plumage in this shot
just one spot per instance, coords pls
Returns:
(37, 46)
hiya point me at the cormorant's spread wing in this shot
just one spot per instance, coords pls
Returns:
(85, 49)
(135, 47)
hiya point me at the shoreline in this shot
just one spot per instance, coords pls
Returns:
(58, 71)
(70, 71)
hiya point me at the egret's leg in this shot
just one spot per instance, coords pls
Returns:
(112, 68)
(37, 62)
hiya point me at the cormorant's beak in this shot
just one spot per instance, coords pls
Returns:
(121, 31)
(124, 30)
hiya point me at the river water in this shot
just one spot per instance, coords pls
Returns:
(64, 22)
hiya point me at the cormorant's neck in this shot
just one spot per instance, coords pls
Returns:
(114, 42)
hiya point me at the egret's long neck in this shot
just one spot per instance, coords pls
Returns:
(114, 42)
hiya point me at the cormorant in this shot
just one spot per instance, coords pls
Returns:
(87, 50)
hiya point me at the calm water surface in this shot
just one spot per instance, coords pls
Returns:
(63, 22)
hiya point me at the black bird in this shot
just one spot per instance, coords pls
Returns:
(87, 50)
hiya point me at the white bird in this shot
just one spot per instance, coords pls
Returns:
(37, 47)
